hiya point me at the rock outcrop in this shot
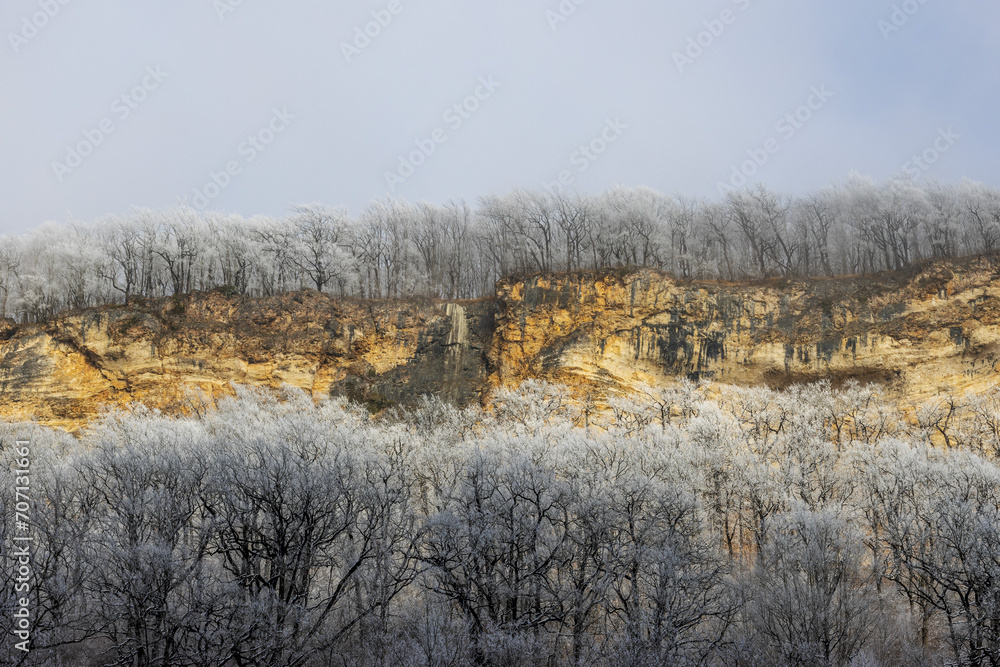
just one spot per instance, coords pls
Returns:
(917, 333)
(166, 353)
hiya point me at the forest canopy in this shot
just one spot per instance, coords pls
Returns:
(814, 526)
(456, 251)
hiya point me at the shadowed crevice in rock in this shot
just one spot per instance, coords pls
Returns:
(449, 362)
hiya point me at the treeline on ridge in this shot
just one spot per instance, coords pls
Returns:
(454, 251)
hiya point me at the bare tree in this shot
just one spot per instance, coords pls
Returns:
(321, 234)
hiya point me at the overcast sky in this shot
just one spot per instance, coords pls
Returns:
(114, 104)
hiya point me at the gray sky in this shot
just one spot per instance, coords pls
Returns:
(114, 104)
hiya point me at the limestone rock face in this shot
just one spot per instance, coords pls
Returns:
(64, 371)
(920, 333)
(917, 333)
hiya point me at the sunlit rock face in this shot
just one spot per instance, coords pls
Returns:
(929, 330)
(168, 353)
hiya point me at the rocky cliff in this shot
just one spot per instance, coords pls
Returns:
(918, 333)
(169, 352)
